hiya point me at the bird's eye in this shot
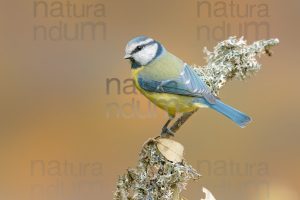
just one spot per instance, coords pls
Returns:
(139, 48)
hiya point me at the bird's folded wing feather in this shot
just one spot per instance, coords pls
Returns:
(188, 83)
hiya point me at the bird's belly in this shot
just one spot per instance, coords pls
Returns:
(172, 103)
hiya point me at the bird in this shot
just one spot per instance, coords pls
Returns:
(171, 84)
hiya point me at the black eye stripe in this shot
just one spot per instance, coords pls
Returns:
(140, 47)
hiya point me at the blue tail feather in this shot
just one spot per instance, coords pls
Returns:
(238, 117)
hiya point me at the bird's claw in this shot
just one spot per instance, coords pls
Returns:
(166, 133)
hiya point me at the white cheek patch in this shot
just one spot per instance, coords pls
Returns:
(130, 48)
(147, 54)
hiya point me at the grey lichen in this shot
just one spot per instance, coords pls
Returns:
(232, 59)
(154, 177)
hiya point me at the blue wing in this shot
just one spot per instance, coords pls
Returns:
(188, 83)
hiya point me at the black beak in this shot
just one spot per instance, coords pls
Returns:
(127, 56)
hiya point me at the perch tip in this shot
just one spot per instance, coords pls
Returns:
(170, 149)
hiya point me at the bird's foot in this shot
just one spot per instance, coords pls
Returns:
(167, 133)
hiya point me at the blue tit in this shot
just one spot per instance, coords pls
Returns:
(171, 84)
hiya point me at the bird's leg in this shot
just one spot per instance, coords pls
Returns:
(181, 120)
(166, 132)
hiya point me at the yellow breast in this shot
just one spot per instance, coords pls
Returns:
(170, 102)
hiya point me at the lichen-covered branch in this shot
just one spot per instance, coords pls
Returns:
(155, 177)
(230, 59)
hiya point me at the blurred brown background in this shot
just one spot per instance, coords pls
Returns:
(57, 106)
